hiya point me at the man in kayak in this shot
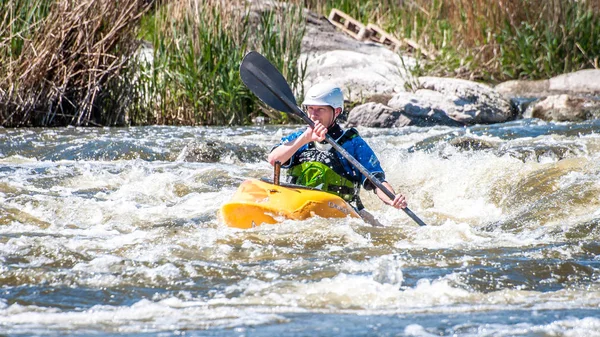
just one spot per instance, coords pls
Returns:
(314, 163)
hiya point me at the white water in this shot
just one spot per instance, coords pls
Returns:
(134, 246)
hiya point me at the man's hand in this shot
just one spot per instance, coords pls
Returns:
(317, 133)
(284, 152)
(399, 201)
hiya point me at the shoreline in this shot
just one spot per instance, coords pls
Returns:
(96, 81)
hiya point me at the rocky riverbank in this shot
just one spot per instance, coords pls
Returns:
(379, 86)
(87, 67)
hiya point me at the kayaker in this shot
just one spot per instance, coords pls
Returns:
(314, 163)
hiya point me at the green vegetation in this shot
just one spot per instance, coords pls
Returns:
(542, 48)
(19, 20)
(198, 46)
(489, 40)
(66, 62)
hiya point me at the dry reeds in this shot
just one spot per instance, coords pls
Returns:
(69, 61)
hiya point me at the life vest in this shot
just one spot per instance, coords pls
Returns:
(324, 170)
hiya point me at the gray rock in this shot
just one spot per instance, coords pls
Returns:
(585, 82)
(580, 83)
(440, 101)
(525, 89)
(376, 115)
(213, 151)
(476, 103)
(425, 108)
(361, 68)
(467, 143)
(539, 152)
(565, 108)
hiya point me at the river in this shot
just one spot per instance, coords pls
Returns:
(111, 231)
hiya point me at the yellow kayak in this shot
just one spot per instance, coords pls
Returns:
(257, 202)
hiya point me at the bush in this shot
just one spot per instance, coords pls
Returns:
(65, 58)
(193, 78)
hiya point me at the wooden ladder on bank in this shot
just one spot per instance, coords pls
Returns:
(372, 32)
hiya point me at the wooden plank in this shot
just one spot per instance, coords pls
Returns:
(371, 32)
(381, 36)
(348, 24)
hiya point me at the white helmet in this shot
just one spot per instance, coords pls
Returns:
(324, 94)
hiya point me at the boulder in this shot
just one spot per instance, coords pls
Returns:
(565, 108)
(361, 68)
(440, 101)
(214, 151)
(376, 115)
(475, 103)
(580, 83)
(426, 108)
(585, 82)
(524, 89)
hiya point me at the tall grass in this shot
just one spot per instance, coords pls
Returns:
(489, 40)
(61, 58)
(198, 46)
(562, 37)
(65, 62)
(18, 23)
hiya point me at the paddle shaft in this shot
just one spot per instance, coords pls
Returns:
(298, 112)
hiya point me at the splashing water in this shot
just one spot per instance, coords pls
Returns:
(115, 231)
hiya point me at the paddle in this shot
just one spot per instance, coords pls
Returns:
(266, 82)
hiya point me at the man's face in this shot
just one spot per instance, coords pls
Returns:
(322, 113)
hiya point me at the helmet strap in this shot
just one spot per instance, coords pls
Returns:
(335, 116)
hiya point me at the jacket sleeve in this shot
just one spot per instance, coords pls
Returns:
(288, 139)
(367, 158)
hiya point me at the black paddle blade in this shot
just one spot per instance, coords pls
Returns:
(267, 83)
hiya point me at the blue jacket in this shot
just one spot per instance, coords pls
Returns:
(356, 147)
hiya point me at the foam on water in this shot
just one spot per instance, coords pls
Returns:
(143, 316)
(134, 245)
(572, 327)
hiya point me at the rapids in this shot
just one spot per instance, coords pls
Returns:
(114, 231)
